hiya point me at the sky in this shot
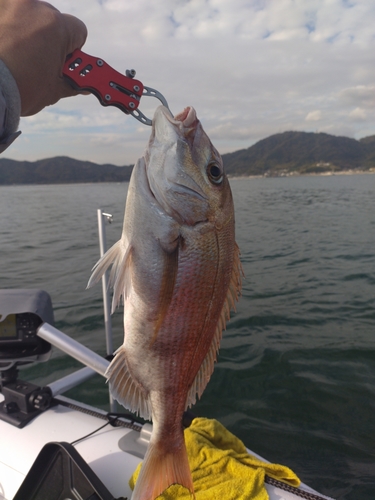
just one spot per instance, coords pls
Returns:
(250, 68)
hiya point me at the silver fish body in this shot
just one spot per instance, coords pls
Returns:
(177, 268)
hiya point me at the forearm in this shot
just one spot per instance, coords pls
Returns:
(35, 39)
(10, 107)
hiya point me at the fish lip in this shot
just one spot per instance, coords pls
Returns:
(183, 188)
(187, 118)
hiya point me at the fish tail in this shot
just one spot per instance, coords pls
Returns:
(161, 469)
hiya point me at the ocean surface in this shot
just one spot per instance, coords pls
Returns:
(295, 379)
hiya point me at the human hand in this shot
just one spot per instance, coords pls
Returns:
(35, 39)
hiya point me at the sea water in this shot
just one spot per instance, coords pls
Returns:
(295, 378)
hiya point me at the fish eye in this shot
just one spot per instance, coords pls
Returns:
(214, 173)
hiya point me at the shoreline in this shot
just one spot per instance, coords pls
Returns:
(297, 174)
(230, 177)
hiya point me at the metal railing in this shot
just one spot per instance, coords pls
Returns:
(94, 363)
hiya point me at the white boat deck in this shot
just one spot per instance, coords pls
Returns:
(20, 447)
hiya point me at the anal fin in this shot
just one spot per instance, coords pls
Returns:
(125, 389)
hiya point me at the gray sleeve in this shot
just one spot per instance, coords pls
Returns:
(3, 111)
(10, 108)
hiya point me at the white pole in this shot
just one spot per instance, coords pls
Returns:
(106, 301)
(72, 380)
(70, 346)
(102, 217)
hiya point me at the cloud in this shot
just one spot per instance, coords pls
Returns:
(361, 94)
(314, 116)
(251, 68)
(358, 114)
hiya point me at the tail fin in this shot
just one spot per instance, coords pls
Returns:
(160, 470)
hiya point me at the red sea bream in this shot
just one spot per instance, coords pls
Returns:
(178, 271)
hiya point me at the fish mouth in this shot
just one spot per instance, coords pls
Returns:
(187, 118)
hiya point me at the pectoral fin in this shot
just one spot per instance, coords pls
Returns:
(170, 268)
(207, 367)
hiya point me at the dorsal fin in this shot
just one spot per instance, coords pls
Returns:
(207, 367)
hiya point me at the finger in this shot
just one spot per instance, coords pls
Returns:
(75, 36)
(68, 91)
(76, 33)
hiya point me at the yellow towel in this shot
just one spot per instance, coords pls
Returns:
(221, 467)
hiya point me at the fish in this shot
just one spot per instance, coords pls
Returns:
(177, 270)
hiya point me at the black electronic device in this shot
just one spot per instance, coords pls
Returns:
(19, 328)
(59, 472)
(21, 314)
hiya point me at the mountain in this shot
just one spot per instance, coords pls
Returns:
(60, 170)
(302, 153)
(279, 154)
